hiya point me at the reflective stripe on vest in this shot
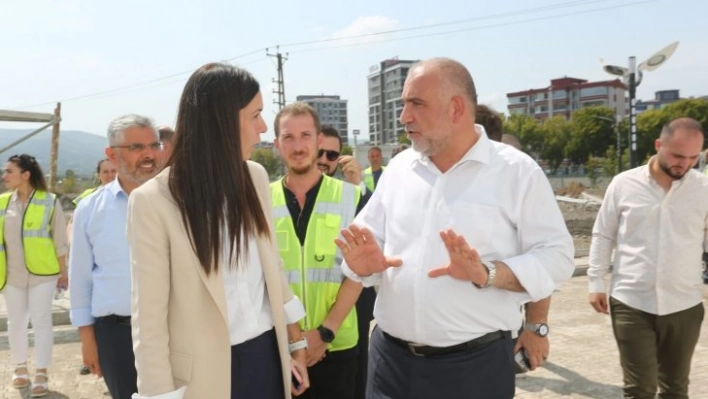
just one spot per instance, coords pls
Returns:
(37, 242)
(314, 270)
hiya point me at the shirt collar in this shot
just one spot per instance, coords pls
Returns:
(479, 152)
(13, 197)
(115, 188)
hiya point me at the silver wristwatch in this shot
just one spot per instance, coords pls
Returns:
(540, 329)
(492, 270)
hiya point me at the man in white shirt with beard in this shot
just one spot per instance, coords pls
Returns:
(459, 234)
(655, 217)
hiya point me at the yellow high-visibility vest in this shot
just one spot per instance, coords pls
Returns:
(313, 270)
(40, 255)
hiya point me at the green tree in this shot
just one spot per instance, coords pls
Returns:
(346, 150)
(269, 160)
(556, 133)
(592, 132)
(69, 184)
(528, 130)
(403, 139)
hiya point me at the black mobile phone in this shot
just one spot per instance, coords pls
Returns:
(522, 361)
(296, 382)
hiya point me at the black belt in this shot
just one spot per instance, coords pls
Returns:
(424, 350)
(115, 319)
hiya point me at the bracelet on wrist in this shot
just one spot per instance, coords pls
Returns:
(297, 345)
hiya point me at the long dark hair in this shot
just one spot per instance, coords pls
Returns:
(27, 163)
(209, 178)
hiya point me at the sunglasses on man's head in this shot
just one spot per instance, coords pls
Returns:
(331, 155)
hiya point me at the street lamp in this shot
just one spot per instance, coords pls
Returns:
(630, 79)
(615, 126)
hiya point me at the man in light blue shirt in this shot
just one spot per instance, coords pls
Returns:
(99, 270)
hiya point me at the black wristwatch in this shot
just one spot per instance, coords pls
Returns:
(326, 334)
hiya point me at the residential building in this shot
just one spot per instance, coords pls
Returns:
(385, 83)
(332, 111)
(566, 95)
(661, 99)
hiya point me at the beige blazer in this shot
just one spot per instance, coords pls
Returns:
(180, 324)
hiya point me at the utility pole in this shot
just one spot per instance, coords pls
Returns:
(54, 152)
(280, 91)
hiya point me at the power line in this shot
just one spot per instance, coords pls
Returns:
(456, 22)
(472, 28)
(134, 85)
(148, 83)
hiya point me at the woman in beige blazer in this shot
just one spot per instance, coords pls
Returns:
(212, 312)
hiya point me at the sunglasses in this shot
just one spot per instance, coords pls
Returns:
(331, 155)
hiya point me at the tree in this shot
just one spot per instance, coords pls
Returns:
(527, 129)
(69, 184)
(556, 133)
(267, 158)
(592, 132)
(403, 139)
(346, 150)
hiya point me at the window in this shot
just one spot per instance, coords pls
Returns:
(560, 94)
(593, 91)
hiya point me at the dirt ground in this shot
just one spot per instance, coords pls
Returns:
(579, 217)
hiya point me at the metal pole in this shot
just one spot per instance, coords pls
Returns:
(632, 112)
(619, 143)
(54, 152)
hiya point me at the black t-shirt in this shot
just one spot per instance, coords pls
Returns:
(301, 217)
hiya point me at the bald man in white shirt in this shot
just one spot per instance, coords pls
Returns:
(459, 233)
(655, 217)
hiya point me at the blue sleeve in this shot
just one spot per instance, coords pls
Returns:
(80, 268)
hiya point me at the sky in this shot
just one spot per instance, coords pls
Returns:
(104, 59)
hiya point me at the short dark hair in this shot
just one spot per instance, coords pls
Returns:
(166, 133)
(491, 121)
(374, 148)
(329, 131)
(296, 109)
(28, 163)
(681, 123)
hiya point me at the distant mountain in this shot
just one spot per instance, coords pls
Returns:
(78, 151)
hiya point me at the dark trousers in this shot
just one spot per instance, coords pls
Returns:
(485, 372)
(255, 369)
(655, 349)
(115, 356)
(364, 314)
(333, 377)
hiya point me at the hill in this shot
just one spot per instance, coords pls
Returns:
(78, 151)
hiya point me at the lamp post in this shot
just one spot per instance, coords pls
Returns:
(615, 127)
(632, 81)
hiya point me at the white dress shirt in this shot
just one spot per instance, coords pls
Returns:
(500, 200)
(247, 304)
(658, 237)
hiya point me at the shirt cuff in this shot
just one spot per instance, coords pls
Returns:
(597, 285)
(294, 311)
(368, 281)
(178, 394)
(532, 276)
(81, 317)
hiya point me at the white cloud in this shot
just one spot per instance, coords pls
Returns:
(363, 29)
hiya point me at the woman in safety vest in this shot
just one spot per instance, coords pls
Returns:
(105, 173)
(32, 266)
